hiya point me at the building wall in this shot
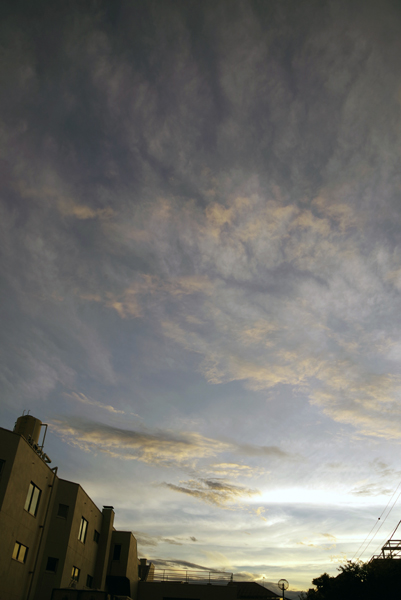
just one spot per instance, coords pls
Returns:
(126, 566)
(103, 553)
(21, 467)
(81, 554)
(62, 541)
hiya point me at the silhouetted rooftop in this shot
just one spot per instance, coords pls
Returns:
(251, 589)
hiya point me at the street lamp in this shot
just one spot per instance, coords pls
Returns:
(283, 585)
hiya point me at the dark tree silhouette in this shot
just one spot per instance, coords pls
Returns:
(367, 581)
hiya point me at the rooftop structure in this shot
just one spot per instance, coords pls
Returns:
(391, 548)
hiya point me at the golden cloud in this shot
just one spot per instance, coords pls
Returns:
(168, 448)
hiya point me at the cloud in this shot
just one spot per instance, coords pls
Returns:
(145, 539)
(326, 541)
(48, 188)
(214, 491)
(80, 397)
(179, 216)
(156, 447)
(371, 489)
(266, 451)
(261, 288)
(173, 564)
(237, 470)
(368, 401)
(259, 511)
(155, 290)
(281, 304)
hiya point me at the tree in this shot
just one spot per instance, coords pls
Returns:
(367, 581)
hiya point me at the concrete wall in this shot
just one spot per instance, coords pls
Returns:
(22, 465)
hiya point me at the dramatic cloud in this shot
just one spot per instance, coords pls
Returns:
(201, 266)
(168, 448)
(160, 447)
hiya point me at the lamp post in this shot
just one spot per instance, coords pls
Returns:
(283, 585)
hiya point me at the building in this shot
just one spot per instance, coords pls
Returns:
(58, 545)
(53, 534)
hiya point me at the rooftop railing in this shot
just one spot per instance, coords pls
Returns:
(193, 576)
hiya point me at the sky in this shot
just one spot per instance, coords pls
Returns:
(200, 236)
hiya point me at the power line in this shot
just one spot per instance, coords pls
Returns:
(381, 525)
(380, 545)
(388, 538)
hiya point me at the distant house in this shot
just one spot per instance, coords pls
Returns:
(57, 545)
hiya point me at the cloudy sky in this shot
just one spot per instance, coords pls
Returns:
(201, 269)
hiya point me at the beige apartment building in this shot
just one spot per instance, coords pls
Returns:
(57, 545)
(53, 535)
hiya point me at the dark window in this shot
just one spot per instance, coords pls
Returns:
(2, 463)
(52, 564)
(117, 552)
(75, 574)
(96, 536)
(32, 499)
(62, 511)
(20, 552)
(83, 528)
(89, 581)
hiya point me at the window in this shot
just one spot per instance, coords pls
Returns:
(32, 499)
(75, 574)
(117, 552)
(62, 511)
(89, 581)
(83, 528)
(2, 463)
(51, 565)
(20, 552)
(96, 536)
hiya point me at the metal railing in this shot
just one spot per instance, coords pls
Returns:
(192, 576)
(391, 548)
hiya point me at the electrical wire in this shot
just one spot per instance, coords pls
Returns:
(388, 537)
(380, 545)
(381, 525)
